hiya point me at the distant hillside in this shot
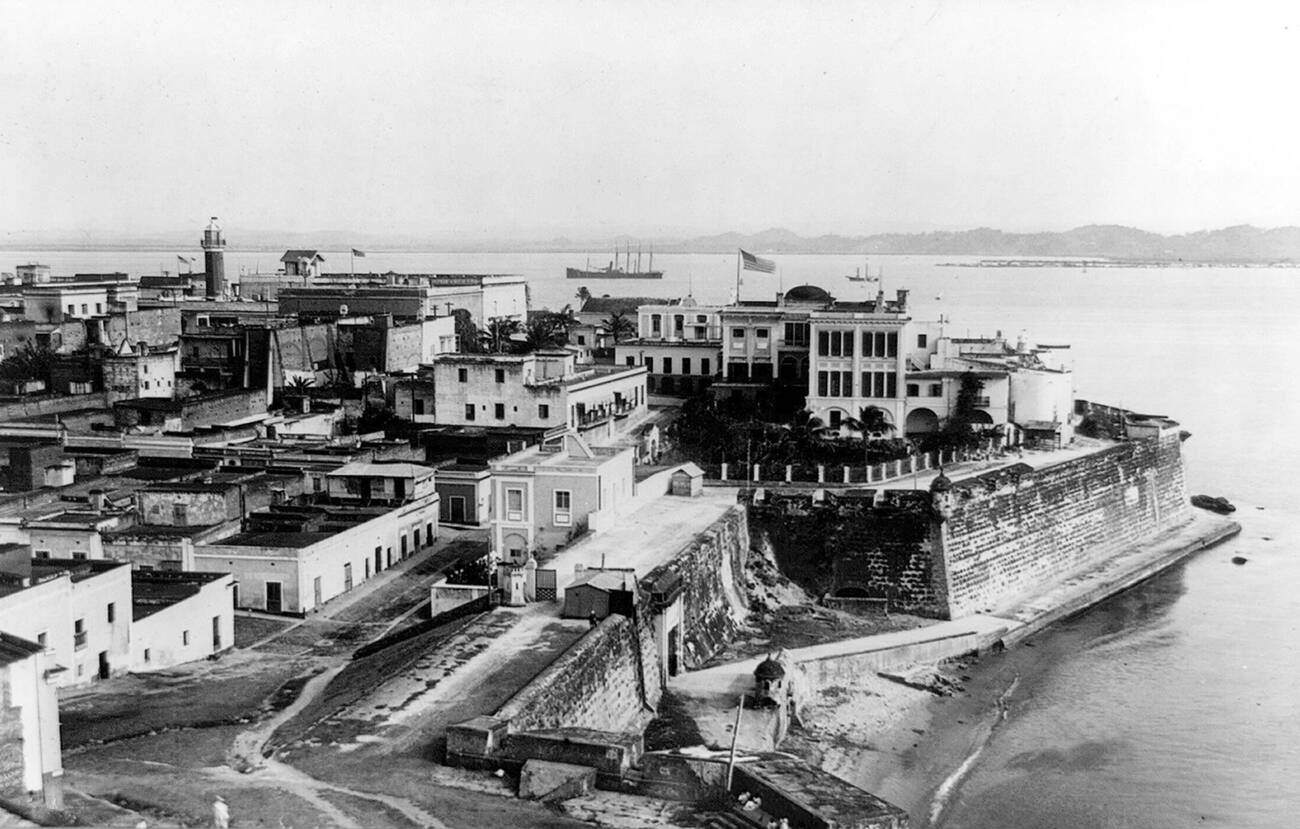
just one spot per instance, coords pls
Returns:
(1242, 243)
(1237, 244)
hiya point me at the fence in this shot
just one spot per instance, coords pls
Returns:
(546, 587)
(840, 475)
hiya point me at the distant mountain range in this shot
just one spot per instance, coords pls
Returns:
(1242, 243)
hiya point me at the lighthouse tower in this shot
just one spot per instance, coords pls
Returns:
(214, 260)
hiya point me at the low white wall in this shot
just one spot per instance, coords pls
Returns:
(647, 491)
(444, 597)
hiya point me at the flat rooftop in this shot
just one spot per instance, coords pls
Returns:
(155, 590)
(644, 539)
(288, 540)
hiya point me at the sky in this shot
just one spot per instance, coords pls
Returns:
(540, 119)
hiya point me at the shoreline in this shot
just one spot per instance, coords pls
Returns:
(919, 754)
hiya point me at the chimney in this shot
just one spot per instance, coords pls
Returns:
(96, 499)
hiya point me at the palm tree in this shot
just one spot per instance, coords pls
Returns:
(870, 421)
(807, 433)
(496, 337)
(542, 333)
(566, 319)
(300, 384)
(620, 324)
(583, 295)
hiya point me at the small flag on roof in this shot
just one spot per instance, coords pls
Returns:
(755, 263)
(360, 253)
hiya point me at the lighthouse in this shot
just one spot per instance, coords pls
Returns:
(214, 260)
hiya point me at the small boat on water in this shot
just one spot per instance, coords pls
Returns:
(1213, 504)
(864, 275)
(616, 271)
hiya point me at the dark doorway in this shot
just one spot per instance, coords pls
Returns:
(673, 636)
(273, 598)
(399, 489)
(457, 509)
(216, 633)
(103, 665)
(379, 559)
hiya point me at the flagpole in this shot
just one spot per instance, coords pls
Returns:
(737, 276)
(352, 266)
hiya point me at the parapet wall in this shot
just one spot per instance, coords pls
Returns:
(1010, 531)
(598, 683)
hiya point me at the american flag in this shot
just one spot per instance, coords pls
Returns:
(755, 263)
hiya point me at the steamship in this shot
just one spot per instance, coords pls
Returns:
(615, 270)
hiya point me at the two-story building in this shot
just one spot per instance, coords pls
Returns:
(680, 345)
(545, 495)
(139, 370)
(1028, 386)
(79, 611)
(543, 390)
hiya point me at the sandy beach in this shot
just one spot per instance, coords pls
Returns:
(902, 743)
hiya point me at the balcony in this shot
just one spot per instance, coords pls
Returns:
(79, 640)
(981, 402)
(600, 414)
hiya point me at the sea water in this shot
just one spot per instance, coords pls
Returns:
(1175, 704)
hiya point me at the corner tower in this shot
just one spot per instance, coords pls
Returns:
(214, 260)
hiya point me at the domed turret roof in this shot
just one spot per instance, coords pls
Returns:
(941, 483)
(769, 669)
(807, 293)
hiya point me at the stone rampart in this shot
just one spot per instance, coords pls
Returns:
(707, 576)
(1010, 531)
(612, 678)
(595, 684)
(983, 540)
(855, 546)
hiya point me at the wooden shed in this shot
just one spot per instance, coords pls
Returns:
(688, 481)
(599, 593)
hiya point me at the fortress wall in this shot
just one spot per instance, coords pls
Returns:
(1011, 531)
(853, 547)
(612, 678)
(713, 599)
(595, 684)
(988, 539)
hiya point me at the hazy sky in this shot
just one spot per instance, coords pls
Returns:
(537, 118)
